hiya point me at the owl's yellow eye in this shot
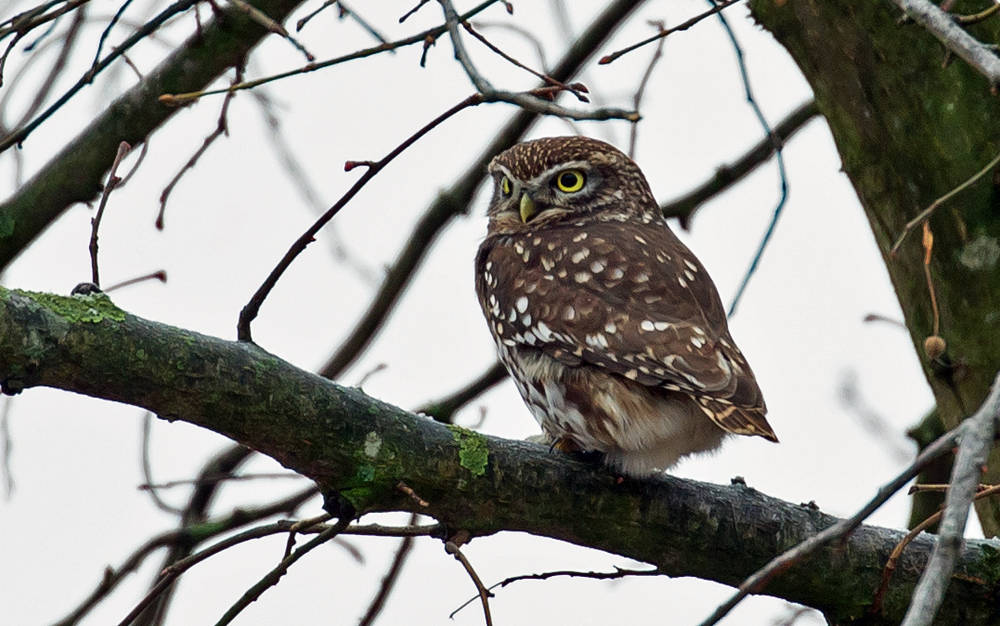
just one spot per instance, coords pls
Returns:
(505, 186)
(570, 181)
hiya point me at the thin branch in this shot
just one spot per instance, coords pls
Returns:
(221, 128)
(757, 581)
(641, 91)
(147, 469)
(275, 574)
(271, 25)
(113, 180)
(926, 213)
(18, 136)
(212, 528)
(619, 573)
(576, 89)
(684, 26)
(390, 578)
(529, 101)
(160, 275)
(955, 39)
(973, 451)
(779, 158)
(685, 207)
(433, 33)
(452, 548)
(251, 309)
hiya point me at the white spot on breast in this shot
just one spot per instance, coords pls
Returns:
(611, 328)
(530, 287)
(536, 241)
(489, 265)
(499, 328)
(521, 304)
(616, 273)
(580, 237)
(652, 299)
(580, 255)
(689, 275)
(581, 277)
(547, 263)
(519, 247)
(680, 281)
(493, 300)
(661, 325)
(697, 342)
(512, 315)
(596, 341)
(640, 240)
(647, 325)
(551, 246)
(691, 266)
(641, 277)
(561, 272)
(526, 320)
(598, 266)
(569, 313)
(631, 374)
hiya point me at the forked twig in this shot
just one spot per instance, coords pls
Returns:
(113, 180)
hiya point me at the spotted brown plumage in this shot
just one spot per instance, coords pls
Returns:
(612, 330)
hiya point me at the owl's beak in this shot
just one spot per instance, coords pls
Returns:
(528, 209)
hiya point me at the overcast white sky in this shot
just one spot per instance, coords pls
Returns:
(75, 460)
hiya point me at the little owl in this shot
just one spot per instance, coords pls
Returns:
(610, 327)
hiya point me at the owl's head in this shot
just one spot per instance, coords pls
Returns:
(546, 181)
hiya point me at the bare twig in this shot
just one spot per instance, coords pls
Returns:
(452, 548)
(251, 309)
(221, 128)
(160, 275)
(147, 469)
(433, 33)
(18, 136)
(528, 101)
(619, 572)
(664, 33)
(926, 213)
(113, 180)
(576, 89)
(640, 92)
(273, 26)
(973, 450)
(272, 577)
(955, 39)
(390, 578)
(212, 528)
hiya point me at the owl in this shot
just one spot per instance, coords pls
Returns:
(611, 329)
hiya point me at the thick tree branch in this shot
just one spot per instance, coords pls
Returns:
(359, 449)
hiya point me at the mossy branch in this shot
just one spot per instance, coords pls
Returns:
(360, 449)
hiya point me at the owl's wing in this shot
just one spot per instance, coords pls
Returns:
(630, 299)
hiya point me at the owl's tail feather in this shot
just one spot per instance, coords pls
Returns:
(740, 420)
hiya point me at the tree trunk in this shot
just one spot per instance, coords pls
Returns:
(910, 126)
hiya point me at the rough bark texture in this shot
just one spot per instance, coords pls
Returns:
(909, 128)
(360, 449)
